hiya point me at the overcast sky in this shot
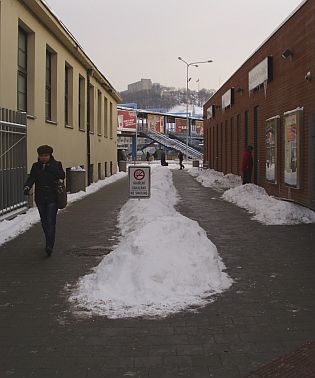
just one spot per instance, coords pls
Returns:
(133, 39)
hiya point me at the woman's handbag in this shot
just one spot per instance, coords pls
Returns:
(61, 195)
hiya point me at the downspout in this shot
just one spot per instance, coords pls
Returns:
(89, 73)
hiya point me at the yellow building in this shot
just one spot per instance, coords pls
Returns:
(45, 72)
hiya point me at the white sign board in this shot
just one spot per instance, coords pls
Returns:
(259, 74)
(227, 99)
(139, 181)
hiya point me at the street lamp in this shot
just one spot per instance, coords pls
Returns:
(193, 64)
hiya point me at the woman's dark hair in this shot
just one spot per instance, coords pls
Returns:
(45, 149)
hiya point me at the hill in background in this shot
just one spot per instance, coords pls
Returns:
(156, 96)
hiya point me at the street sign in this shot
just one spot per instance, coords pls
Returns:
(139, 181)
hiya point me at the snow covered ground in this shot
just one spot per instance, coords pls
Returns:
(9, 229)
(163, 263)
(214, 179)
(266, 209)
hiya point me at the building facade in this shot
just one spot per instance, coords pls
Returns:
(269, 103)
(69, 102)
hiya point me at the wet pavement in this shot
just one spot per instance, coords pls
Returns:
(269, 310)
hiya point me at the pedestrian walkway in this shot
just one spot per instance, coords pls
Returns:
(268, 312)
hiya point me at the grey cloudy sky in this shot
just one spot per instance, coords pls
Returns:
(133, 39)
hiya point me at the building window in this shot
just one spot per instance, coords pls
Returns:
(246, 125)
(111, 121)
(99, 112)
(105, 117)
(81, 104)
(48, 96)
(68, 95)
(22, 71)
(91, 109)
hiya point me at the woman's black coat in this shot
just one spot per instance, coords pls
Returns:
(45, 177)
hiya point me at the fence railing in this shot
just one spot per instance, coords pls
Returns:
(13, 160)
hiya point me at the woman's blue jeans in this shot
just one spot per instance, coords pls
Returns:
(48, 214)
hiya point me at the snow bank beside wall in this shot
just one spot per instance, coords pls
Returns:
(164, 262)
(266, 209)
(214, 179)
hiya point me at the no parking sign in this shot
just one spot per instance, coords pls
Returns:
(139, 181)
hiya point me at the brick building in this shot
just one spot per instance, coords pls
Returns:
(270, 103)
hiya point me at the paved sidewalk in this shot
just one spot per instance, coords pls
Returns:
(269, 310)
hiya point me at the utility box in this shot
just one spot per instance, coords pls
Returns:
(76, 181)
(195, 163)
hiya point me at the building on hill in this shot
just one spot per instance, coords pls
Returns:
(142, 85)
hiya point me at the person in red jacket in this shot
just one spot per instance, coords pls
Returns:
(247, 165)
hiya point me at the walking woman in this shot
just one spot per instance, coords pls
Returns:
(45, 174)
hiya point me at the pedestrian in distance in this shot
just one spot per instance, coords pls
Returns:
(181, 159)
(148, 156)
(164, 163)
(45, 174)
(247, 165)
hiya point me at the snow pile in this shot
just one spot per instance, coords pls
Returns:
(266, 209)
(9, 229)
(77, 169)
(182, 109)
(214, 179)
(164, 262)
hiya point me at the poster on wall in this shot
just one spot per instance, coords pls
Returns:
(292, 126)
(156, 123)
(181, 125)
(271, 148)
(127, 120)
(199, 128)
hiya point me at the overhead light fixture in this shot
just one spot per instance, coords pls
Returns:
(288, 53)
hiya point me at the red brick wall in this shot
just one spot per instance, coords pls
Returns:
(287, 91)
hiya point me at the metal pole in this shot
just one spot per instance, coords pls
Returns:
(187, 117)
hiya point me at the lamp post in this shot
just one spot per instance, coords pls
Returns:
(193, 64)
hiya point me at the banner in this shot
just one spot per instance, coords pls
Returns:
(292, 163)
(181, 125)
(127, 120)
(156, 123)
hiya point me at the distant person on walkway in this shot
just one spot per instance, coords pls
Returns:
(164, 163)
(148, 156)
(155, 155)
(247, 165)
(181, 159)
(45, 174)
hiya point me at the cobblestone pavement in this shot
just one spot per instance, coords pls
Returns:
(269, 310)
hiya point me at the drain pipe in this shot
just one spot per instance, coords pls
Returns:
(89, 74)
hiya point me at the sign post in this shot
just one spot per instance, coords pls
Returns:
(139, 181)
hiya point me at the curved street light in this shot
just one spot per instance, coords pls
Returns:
(192, 64)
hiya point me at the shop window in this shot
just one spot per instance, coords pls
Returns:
(271, 148)
(292, 154)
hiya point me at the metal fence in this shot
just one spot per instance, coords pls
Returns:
(13, 160)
